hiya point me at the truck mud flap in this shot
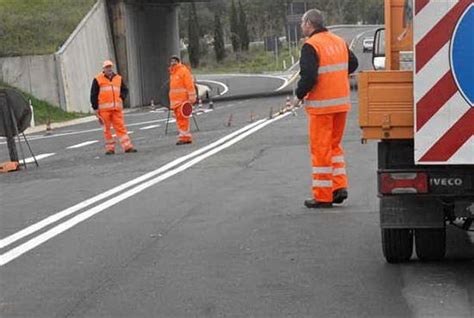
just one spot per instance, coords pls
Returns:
(411, 212)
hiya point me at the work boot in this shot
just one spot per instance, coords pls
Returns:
(339, 196)
(183, 142)
(313, 204)
(131, 150)
(110, 152)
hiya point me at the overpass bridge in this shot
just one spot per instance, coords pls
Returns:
(145, 33)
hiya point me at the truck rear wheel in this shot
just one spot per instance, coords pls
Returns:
(397, 245)
(430, 244)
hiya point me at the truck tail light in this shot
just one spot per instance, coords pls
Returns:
(402, 183)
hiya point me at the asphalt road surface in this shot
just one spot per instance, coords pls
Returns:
(214, 229)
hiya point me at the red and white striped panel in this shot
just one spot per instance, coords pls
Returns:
(444, 122)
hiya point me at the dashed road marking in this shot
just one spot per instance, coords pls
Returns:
(150, 127)
(83, 144)
(38, 157)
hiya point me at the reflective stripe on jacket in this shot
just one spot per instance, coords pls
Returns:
(181, 86)
(331, 94)
(109, 91)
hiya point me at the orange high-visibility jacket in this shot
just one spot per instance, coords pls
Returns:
(181, 86)
(331, 94)
(109, 93)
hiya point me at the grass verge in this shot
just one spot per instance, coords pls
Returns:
(29, 27)
(255, 61)
(44, 111)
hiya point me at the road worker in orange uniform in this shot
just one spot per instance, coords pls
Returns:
(182, 90)
(107, 95)
(325, 65)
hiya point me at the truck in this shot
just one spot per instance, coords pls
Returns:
(418, 104)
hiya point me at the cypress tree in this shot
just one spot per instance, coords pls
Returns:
(243, 29)
(234, 28)
(193, 37)
(219, 46)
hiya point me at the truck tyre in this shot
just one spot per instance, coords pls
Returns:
(430, 244)
(397, 245)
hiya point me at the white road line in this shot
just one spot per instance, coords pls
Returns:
(129, 133)
(226, 88)
(91, 130)
(40, 239)
(150, 127)
(40, 137)
(159, 110)
(285, 83)
(83, 144)
(38, 157)
(81, 205)
(356, 39)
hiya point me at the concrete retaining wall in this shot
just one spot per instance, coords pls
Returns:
(64, 78)
(80, 59)
(32, 74)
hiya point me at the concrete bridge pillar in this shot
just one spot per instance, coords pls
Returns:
(145, 34)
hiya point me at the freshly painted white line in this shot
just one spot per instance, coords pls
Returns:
(81, 205)
(226, 88)
(150, 127)
(83, 144)
(38, 157)
(40, 239)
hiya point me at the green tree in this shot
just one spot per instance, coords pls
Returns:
(243, 29)
(193, 37)
(234, 28)
(219, 46)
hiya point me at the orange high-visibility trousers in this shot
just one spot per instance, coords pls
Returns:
(327, 155)
(183, 124)
(113, 118)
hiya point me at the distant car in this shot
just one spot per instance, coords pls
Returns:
(368, 44)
